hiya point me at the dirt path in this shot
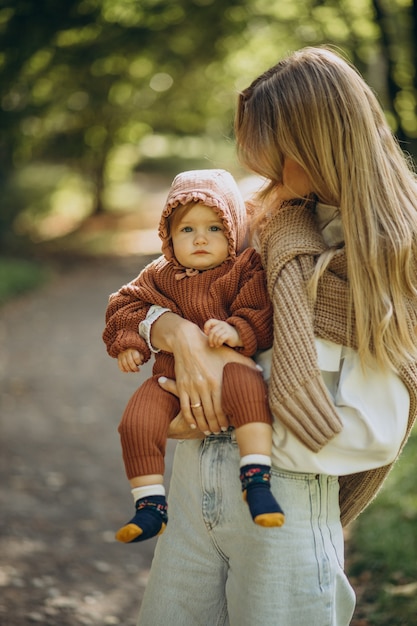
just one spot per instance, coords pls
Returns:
(62, 489)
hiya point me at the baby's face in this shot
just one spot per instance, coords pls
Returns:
(198, 239)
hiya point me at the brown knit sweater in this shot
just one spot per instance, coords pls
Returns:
(290, 245)
(234, 292)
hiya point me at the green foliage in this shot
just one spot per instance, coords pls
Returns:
(90, 84)
(18, 276)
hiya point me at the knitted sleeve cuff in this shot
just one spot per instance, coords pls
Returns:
(129, 339)
(308, 412)
(246, 334)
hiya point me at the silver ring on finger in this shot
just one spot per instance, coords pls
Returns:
(195, 406)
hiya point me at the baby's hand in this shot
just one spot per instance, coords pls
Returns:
(130, 360)
(220, 333)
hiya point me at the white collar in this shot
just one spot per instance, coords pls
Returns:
(330, 223)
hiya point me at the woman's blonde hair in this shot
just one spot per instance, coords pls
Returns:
(315, 108)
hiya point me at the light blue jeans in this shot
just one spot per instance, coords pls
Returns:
(214, 567)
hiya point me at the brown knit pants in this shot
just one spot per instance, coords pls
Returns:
(145, 421)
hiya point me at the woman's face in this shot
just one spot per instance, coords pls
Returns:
(295, 184)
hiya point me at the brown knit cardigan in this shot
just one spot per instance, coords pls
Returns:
(290, 245)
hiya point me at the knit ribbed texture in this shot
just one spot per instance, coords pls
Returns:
(145, 421)
(290, 243)
(244, 395)
(297, 393)
(234, 292)
(143, 429)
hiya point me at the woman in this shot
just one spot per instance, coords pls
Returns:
(337, 232)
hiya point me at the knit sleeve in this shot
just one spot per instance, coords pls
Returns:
(123, 314)
(298, 396)
(297, 393)
(251, 310)
(128, 307)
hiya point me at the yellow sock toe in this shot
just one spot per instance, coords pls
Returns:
(270, 519)
(127, 533)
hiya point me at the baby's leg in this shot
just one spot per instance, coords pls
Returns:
(245, 402)
(143, 431)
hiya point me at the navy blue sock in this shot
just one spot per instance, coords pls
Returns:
(256, 488)
(149, 520)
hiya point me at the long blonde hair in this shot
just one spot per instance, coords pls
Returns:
(315, 108)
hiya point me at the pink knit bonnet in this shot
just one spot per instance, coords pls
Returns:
(215, 188)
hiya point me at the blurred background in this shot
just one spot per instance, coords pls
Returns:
(102, 102)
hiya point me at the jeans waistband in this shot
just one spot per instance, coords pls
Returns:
(228, 435)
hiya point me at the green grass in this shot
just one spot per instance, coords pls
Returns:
(383, 548)
(18, 276)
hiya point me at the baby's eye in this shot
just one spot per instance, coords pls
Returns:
(215, 229)
(186, 229)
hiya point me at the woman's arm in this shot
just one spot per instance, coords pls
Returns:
(198, 370)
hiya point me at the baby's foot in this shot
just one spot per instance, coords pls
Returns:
(256, 487)
(149, 520)
(263, 507)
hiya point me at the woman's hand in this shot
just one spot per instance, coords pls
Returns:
(178, 428)
(198, 371)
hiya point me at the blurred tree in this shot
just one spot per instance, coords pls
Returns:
(397, 22)
(80, 83)
(27, 32)
(97, 85)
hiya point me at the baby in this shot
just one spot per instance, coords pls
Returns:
(207, 276)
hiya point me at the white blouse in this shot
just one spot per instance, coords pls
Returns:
(373, 406)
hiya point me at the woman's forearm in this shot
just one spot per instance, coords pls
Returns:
(198, 379)
(167, 329)
(198, 370)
